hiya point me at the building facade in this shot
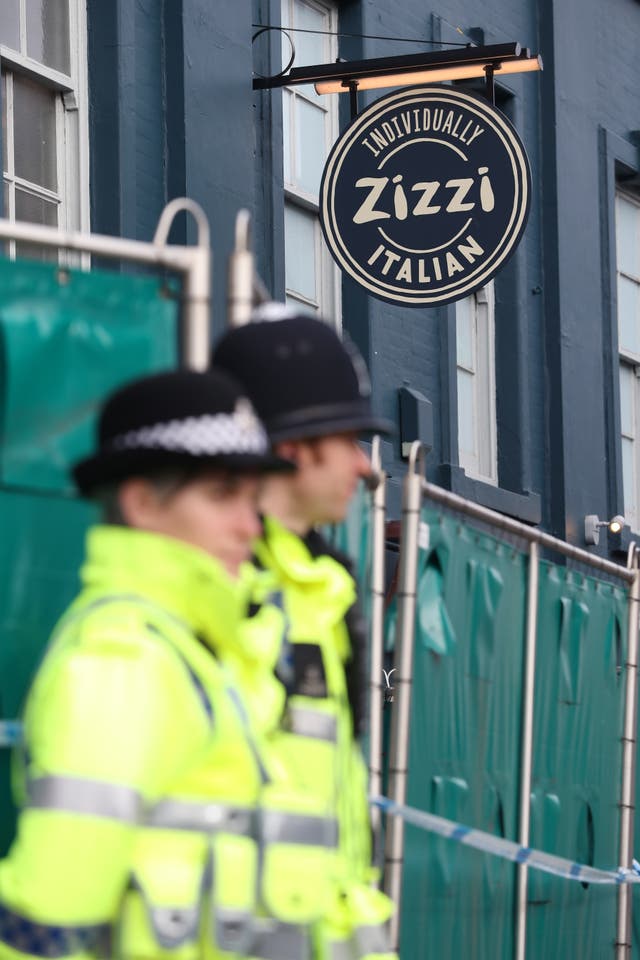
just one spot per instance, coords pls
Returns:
(531, 384)
(526, 393)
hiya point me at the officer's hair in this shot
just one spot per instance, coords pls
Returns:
(313, 443)
(165, 483)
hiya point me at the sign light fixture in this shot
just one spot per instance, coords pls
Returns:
(429, 67)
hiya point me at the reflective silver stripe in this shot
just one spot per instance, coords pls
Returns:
(95, 798)
(53, 940)
(240, 932)
(187, 815)
(371, 938)
(312, 831)
(342, 950)
(233, 930)
(280, 941)
(312, 723)
(173, 926)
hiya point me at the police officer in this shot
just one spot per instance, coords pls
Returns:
(141, 775)
(312, 391)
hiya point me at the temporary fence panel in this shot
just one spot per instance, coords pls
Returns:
(464, 740)
(41, 539)
(635, 912)
(66, 339)
(464, 757)
(577, 759)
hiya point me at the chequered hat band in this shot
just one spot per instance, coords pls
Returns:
(208, 435)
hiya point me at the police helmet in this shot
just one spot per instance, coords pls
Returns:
(303, 379)
(181, 419)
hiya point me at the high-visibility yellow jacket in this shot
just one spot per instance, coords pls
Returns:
(141, 830)
(318, 745)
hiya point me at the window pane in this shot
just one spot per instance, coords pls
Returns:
(629, 315)
(310, 47)
(35, 132)
(628, 236)
(300, 249)
(48, 33)
(630, 505)
(464, 332)
(311, 146)
(300, 305)
(4, 245)
(627, 384)
(3, 94)
(35, 209)
(10, 23)
(466, 418)
(287, 107)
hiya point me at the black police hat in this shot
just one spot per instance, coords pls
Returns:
(303, 380)
(181, 418)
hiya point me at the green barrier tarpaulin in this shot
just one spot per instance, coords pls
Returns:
(465, 748)
(67, 338)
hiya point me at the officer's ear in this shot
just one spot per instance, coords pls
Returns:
(301, 452)
(139, 503)
(289, 449)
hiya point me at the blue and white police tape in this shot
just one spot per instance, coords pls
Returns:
(507, 849)
(10, 733)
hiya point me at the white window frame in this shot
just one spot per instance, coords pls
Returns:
(327, 302)
(481, 463)
(72, 123)
(630, 359)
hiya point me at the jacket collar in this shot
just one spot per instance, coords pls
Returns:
(183, 580)
(288, 555)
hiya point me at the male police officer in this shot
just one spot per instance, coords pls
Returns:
(312, 392)
(141, 775)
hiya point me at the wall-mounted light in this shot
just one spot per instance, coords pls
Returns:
(592, 524)
(466, 63)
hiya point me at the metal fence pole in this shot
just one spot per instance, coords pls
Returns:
(376, 701)
(526, 743)
(195, 341)
(245, 289)
(627, 793)
(403, 678)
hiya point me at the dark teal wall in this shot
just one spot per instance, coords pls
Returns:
(591, 93)
(173, 112)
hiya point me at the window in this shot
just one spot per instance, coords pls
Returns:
(628, 298)
(310, 125)
(44, 112)
(475, 353)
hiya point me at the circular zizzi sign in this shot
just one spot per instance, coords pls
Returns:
(425, 195)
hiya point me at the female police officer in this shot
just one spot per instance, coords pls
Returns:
(140, 775)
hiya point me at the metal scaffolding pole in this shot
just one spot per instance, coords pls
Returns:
(376, 687)
(403, 678)
(245, 289)
(526, 743)
(628, 787)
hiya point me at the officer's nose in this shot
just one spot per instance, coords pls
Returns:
(363, 464)
(248, 525)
